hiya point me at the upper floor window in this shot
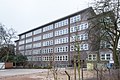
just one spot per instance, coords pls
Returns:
(29, 58)
(37, 31)
(84, 47)
(21, 47)
(61, 40)
(28, 46)
(29, 40)
(61, 49)
(22, 36)
(29, 34)
(47, 28)
(28, 52)
(72, 29)
(47, 50)
(61, 23)
(83, 36)
(36, 51)
(36, 45)
(104, 44)
(79, 37)
(83, 26)
(22, 52)
(21, 42)
(79, 27)
(48, 43)
(48, 35)
(61, 32)
(36, 38)
(75, 19)
(72, 48)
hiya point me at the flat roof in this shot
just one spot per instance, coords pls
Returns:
(90, 8)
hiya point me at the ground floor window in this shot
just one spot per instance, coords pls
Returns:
(107, 57)
(92, 57)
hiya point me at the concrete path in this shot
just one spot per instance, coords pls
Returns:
(13, 72)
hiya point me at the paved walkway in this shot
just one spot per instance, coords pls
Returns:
(13, 72)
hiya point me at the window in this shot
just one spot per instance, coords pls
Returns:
(36, 51)
(22, 52)
(22, 36)
(61, 23)
(61, 49)
(92, 57)
(21, 47)
(37, 31)
(72, 38)
(81, 37)
(48, 43)
(39, 58)
(104, 44)
(28, 52)
(106, 56)
(61, 58)
(66, 48)
(36, 38)
(56, 25)
(71, 29)
(48, 35)
(36, 45)
(75, 19)
(47, 28)
(36, 58)
(29, 34)
(83, 26)
(81, 47)
(72, 48)
(66, 58)
(29, 40)
(21, 42)
(47, 50)
(84, 47)
(56, 33)
(66, 22)
(28, 46)
(61, 40)
(102, 56)
(29, 58)
(85, 36)
(61, 32)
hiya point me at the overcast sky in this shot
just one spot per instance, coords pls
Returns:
(23, 15)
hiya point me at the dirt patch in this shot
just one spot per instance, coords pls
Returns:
(49, 75)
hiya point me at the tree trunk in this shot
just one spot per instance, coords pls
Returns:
(74, 67)
(79, 64)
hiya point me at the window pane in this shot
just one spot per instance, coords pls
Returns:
(29, 34)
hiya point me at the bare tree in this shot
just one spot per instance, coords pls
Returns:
(7, 36)
(109, 20)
